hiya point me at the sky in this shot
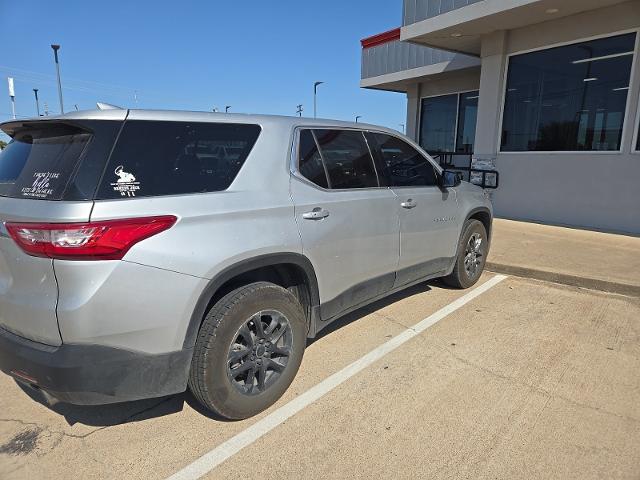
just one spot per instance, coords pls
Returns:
(256, 56)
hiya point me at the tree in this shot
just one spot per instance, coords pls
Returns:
(2, 144)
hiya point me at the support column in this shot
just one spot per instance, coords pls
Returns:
(493, 58)
(413, 110)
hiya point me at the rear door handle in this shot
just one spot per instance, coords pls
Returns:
(409, 204)
(316, 214)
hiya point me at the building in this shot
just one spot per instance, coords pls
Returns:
(545, 90)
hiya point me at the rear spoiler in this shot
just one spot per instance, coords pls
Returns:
(107, 106)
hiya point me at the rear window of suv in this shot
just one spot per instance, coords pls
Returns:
(39, 160)
(169, 158)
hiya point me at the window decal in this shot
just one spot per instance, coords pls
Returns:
(126, 183)
(41, 186)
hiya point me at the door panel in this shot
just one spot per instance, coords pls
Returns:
(354, 248)
(428, 214)
(428, 232)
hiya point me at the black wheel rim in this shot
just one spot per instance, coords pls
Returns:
(259, 352)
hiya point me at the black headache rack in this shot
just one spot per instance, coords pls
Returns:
(461, 162)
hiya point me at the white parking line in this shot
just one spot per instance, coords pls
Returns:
(215, 457)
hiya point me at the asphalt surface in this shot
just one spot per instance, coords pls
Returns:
(527, 380)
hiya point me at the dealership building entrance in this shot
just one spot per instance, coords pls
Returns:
(544, 91)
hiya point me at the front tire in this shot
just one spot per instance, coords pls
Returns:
(248, 350)
(473, 248)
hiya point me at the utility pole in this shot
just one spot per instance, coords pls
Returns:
(55, 56)
(46, 109)
(315, 96)
(35, 92)
(299, 110)
(12, 95)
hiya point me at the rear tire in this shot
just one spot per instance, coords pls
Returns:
(248, 350)
(471, 256)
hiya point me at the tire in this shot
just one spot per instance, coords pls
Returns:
(234, 326)
(465, 276)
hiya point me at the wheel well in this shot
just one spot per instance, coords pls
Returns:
(485, 218)
(287, 275)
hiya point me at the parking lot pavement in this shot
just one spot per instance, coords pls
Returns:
(529, 379)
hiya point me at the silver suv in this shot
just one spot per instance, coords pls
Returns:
(144, 252)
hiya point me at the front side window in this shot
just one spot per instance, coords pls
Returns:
(168, 158)
(347, 159)
(568, 98)
(638, 138)
(404, 165)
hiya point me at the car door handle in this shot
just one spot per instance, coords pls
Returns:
(316, 214)
(409, 204)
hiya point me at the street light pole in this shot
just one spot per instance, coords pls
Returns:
(315, 95)
(299, 110)
(226, 109)
(55, 55)
(402, 125)
(357, 117)
(35, 92)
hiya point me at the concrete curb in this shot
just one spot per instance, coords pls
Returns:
(565, 279)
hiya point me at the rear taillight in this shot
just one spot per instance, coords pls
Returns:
(105, 240)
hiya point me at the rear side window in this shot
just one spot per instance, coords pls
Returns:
(169, 158)
(347, 159)
(404, 165)
(40, 159)
(309, 160)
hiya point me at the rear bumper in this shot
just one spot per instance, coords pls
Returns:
(93, 374)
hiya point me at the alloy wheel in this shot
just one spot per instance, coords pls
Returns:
(259, 352)
(473, 255)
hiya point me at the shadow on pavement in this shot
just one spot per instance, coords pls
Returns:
(111, 414)
(377, 305)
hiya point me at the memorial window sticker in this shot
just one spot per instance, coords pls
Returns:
(126, 183)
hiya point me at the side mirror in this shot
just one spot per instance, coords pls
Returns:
(484, 178)
(449, 179)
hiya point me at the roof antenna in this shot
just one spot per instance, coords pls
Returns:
(107, 106)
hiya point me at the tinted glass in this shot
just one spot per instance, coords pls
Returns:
(638, 139)
(309, 160)
(40, 160)
(347, 159)
(568, 98)
(438, 123)
(403, 164)
(467, 116)
(169, 158)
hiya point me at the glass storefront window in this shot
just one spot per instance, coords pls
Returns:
(448, 122)
(467, 115)
(438, 123)
(569, 98)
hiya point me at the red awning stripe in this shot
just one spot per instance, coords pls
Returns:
(381, 38)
